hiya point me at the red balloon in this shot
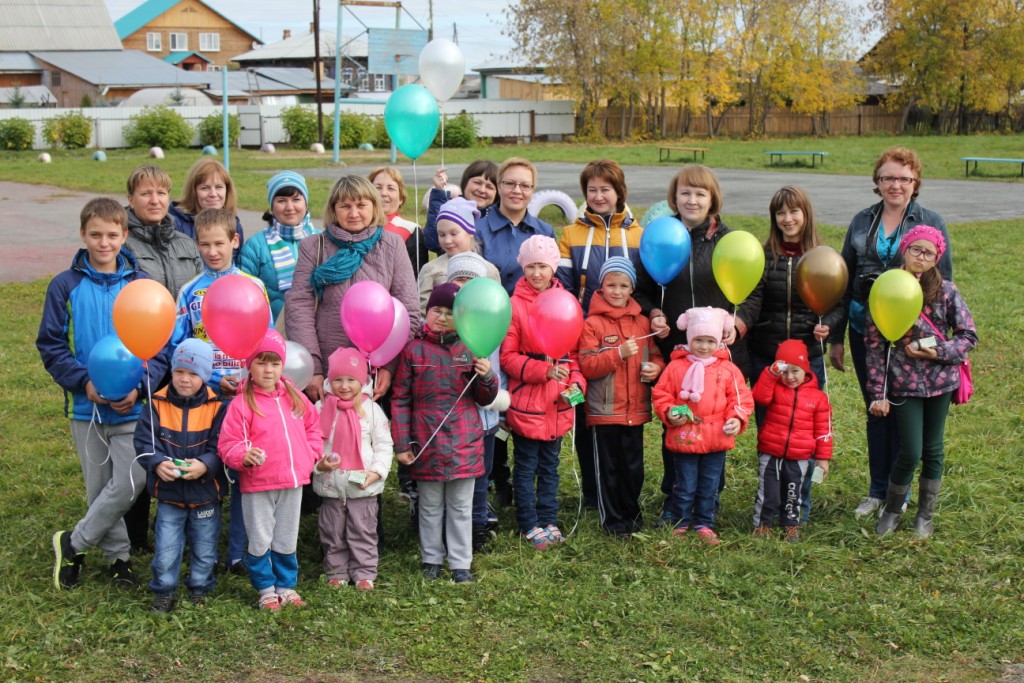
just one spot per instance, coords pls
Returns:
(555, 322)
(236, 315)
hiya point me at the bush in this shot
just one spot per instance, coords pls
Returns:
(300, 125)
(459, 132)
(211, 130)
(355, 130)
(159, 126)
(16, 134)
(70, 131)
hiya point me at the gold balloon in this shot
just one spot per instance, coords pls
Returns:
(895, 302)
(821, 278)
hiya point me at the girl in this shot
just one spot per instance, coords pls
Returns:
(391, 186)
(358, 438)
(207, 186)
(479, 185)
(271, 435)
(923, 372)
(704, 402)
(539, 415)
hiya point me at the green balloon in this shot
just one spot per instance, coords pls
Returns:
(483, 313)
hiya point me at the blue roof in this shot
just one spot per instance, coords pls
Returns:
(179, 57)
(150, 10)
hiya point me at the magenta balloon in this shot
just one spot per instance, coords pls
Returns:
(236, 315)
(367, 314)
(396, 340)
(556, 321)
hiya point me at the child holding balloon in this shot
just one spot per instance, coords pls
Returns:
(914, 376)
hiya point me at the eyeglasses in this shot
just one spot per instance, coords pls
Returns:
(511, 185)
(920, 253)
(896, 180)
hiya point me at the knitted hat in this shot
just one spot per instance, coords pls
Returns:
(347, 363)
(619, 264)
(443, 295)
(466, 264)
(705, 322)
(794, 352)
(924, 232)
(460, 211)
(286, 179)
(539, 249)
(272, 342)
(194, 355)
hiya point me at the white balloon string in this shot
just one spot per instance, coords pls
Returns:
(416, 193)
(824, 371)
(440, 105)
(576, 475)
(444, 419)
(96, 418)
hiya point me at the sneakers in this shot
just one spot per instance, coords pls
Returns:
(238, 568)
(431, 571)
(680, 530)
(67, 563)
(462, 576)
(289, 596)
(338, 583)
(364, 585)
(197, 599)
(867, 506)
(122, 575)
(492, 517)
(763, 531)
(793, 534)
(554, 534)
(481, 537)
(162, 604)
(708, 535)
(270, 602)
(539, 538)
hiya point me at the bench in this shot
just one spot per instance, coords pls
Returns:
(814, 156)
(985, 160)
(664, 152)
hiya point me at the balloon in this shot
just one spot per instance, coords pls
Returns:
(367, 314)
(442, 68)
(483, 313)
(113, 370)
(396, 340)
(298, 364)
(665, 248)
(144, 314)
(235, 314)
(738, 264)
(411, 118)
(895, 302)
(657, 210)
(821, 278)
(556, 321)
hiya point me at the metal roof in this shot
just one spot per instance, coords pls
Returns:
(301, 47)
(124, 68)
(56, 25)
(18, 61)
(33, 94)
(151, 9)
(271, 79)
(179, 57)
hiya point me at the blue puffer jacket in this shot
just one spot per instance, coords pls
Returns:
(255, 259)
(185, 223)
(499, 243)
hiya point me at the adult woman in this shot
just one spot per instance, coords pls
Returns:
(271, 254)
(207, 186)
(353, 247)
(391, 186)
(479, 184)
(871, 247)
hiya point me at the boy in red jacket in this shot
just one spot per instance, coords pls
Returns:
(796, 434)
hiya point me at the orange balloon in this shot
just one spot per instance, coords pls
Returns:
(821, 278)
(144, 313)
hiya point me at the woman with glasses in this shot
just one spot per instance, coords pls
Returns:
(871, 247)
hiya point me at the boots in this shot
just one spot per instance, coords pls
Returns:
(928, 493)
(890, 518)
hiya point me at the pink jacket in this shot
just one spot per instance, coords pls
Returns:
(293, 444)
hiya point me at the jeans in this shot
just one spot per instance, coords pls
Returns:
(175, 525)
(695, 491)
(922, 424)
(237, 540)
(883, 432)
(535, 481)
(480, 487)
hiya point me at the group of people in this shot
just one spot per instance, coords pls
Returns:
(680, 352)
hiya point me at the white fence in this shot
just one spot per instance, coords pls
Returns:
(517, 119)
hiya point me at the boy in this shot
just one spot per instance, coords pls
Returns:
(177, 444)
(620, 361)
(77, 313)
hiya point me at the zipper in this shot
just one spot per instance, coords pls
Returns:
(792, 419)
(291, 456)
(789, 298)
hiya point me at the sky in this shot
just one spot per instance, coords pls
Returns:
(479, 29)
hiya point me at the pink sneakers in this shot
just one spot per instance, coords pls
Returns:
(708, 535)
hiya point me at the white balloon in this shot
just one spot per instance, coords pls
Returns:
(298, 364)
(442, 68)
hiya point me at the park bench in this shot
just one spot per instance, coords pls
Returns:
(814, 156)
(665, 151)
(985, 160)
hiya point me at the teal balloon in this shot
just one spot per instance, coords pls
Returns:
(411, 118)
(483, 313)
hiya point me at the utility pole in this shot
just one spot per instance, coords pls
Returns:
(318, 69)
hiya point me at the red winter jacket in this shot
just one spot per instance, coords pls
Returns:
(798, 424)
(537, 410)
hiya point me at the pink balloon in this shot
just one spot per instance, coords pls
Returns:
(396, 340)
(367, 314)
(236, 315)
(556, 321)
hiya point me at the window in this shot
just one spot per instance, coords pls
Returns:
(209, 42)
(154, 42)
(346, 75)
(379, 83)
(179, 42)
(55, 79)
(364, 80)
(213, 67)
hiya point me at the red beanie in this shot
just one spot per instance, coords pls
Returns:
(794, 352)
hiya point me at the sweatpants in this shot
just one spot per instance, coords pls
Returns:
(272, 524)
(348, 533)
(113, 479)
(779, 487)
(619, 469)
(447, 505)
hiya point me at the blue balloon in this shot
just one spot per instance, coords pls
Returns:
(113, 370)
(665, 248)
(411, 118)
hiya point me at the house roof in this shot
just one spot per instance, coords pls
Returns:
(13, 62)
(271, 79)
(179, 57)
(124, 68)
(507, 64)
(301, 47)
(56, 25)
(33, 94)
(151, 9)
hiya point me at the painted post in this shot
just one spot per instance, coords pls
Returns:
(224, 114)
(337, 86)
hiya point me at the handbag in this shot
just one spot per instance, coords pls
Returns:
(964, 392)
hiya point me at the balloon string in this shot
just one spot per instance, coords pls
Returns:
(662, 306)
(416, 193)
(152, 431)
(824, 367)
(444, 419)
(440, 106)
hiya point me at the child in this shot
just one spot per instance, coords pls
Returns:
(539, 415)
(177, 443)
(796, 435)
(432, 411)
(271, 435)
(358, 438)
(704, 402)
(78, 313)
(923, 372)
(619, 361)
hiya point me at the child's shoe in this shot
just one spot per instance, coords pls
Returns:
(337, 583)
(67, 562)
(289, 596)
(270, 602)
(539, 538)
(122, 575)
(364, 585)
(763, 531)
(462, 576)
(481, 537)
(237, 568)
(793, 534)
(197, 599)
(680, 530)
(162, 604)
(431, 571)
(708, 535)
(554, 534)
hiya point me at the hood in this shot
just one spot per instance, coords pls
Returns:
(126, 265)
(151, 233)
(599, 306)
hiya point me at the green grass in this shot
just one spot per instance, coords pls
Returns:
(840, 606)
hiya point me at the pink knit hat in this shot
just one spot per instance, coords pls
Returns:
(924, 232)
(705, 322)
(347, 363)
(539, 249)
(272, 342)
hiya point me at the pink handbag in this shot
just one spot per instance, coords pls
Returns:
(964, 392)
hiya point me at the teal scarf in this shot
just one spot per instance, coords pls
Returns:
(344, 264)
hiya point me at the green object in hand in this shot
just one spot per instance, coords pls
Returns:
(681, 411)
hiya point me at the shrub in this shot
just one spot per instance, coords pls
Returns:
(16, 134)
(300, 125)
(459, 132)
(381, 139)
(159, 126)
(355, 130)
(211, 130)
(70, 131)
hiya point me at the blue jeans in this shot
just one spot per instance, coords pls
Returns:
(695, 490)
(480, 488)
(237, 540)
(535, 481)
(883, 432)
(201, 528)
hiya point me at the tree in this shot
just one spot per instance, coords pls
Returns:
(16, 99)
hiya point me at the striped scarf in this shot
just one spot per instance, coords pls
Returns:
(283, 240)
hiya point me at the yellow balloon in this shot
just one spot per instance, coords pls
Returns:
(738, 263)
(895, 302)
